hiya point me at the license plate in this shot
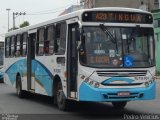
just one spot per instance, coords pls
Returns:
(124, 93)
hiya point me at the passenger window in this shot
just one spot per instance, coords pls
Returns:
(13, 41)
(7, 47)
(60, 42)
(24, 44)
(18, 49)
(40, 42)
(49, 42)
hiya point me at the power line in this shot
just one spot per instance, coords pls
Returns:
(51, 10)
(45, 13)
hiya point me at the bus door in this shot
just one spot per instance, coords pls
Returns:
(30, 61)
(72, 61)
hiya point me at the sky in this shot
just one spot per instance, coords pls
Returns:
(36, 11)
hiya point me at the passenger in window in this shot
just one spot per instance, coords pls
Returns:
(46, 50)
(41, 50)
(24, 52)
(17, 54)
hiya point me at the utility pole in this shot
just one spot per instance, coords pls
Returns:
(16, 14)
(8, 9)
(13, 20)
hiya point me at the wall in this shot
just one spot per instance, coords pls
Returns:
(121, 3)
(156, 15)
(71, 9)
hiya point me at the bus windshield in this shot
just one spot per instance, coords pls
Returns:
(117, 47)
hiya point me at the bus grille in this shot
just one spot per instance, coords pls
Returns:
(120, 84)
(122, 73)
(115, 96)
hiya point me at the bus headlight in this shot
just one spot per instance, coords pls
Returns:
(86, 80)
(148, 83)
(97, 84)
(92, 83)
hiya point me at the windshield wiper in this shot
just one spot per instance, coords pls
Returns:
(107, 32)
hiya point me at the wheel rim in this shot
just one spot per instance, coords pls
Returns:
(60, 96)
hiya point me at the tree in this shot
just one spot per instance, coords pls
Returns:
(24, 24)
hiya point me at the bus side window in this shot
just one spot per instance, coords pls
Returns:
(60, 42)
(49, 42)
(7, 47)
(1, 53)
(18, 46)
(13, 41)
(24, 44)
(40, 42)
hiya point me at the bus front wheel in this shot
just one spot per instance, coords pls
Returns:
(62, 102)
(119, 105)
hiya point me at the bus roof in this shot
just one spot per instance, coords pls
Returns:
(73, 15)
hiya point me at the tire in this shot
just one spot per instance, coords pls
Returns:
(20, 92)
(1, 80)
(61, 100)
(119, 105)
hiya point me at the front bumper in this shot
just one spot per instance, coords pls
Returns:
(88, 93)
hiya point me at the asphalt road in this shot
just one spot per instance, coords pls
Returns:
(39, 107)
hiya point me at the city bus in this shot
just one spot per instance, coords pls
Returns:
(1, 59)
(93, 55)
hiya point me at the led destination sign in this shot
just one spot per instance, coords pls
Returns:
(117, 17)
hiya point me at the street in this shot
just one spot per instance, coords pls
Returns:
(39, 107)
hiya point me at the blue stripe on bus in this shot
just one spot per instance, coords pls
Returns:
(18, 66)
(128, 80)
(88, 93)
(39, 71)
(44, 76)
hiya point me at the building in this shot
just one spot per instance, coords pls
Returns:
(71, 9)
(156, 15)
(150, 4)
